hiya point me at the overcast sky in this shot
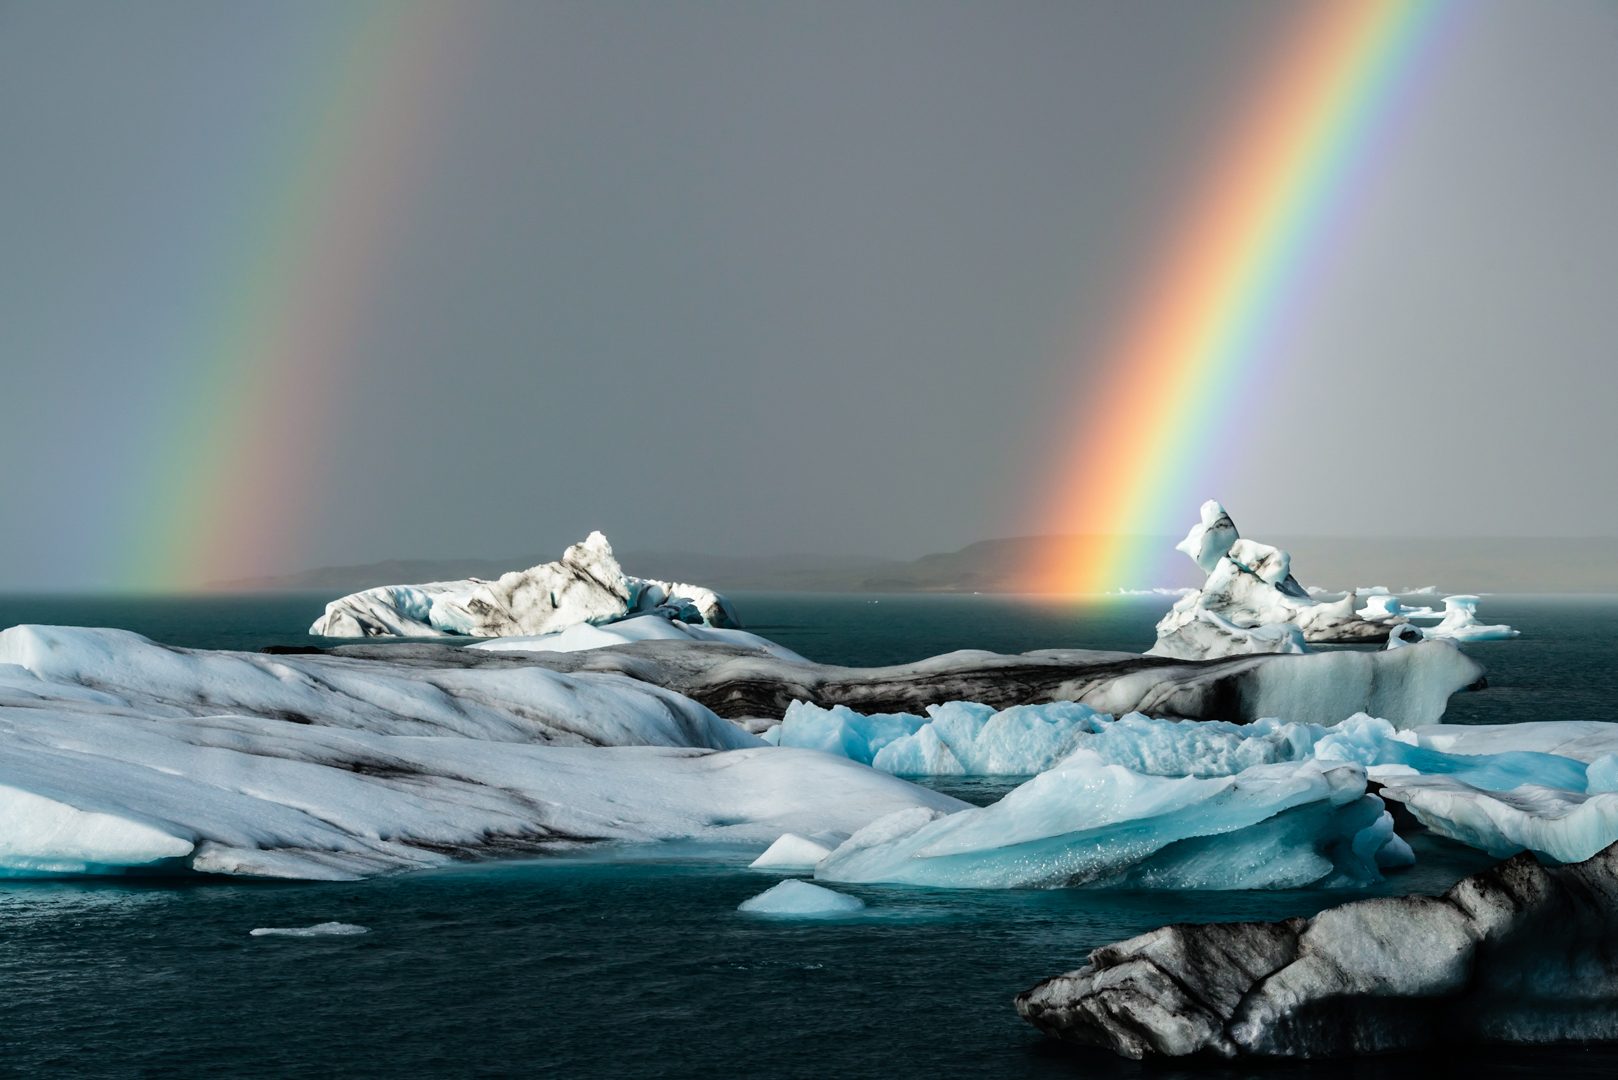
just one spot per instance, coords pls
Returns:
(756, 278)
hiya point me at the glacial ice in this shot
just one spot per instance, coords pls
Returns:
(1520, 953)
(585, 586)
(119, 754)
(635, 628)
(1498, 792)
(1251, 603)
(793, 852)
(1087, 822)
(794, 897)
(1461, 623)
(325, 929)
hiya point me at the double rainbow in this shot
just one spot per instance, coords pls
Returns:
(1218, 305)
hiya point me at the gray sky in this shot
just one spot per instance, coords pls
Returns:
(754, 278)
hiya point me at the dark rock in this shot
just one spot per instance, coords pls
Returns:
(1520, 953)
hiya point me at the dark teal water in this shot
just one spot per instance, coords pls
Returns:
(595, 968)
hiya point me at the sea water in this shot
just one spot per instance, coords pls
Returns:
(635, 962)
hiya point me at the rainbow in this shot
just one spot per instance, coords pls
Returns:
(1217, 306)
(234, 470)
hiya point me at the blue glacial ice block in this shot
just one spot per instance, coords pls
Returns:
(1088, 822)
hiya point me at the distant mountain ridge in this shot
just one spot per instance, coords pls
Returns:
(1010, 565)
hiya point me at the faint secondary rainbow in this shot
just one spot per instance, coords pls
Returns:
(234, 474)
(1223, 294)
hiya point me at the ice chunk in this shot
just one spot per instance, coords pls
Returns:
(794, 897)
(955, 738)
(1088, 822)
(585, 586)
(325, 929)
(1461, 623)
(794, 852)
(44, 836)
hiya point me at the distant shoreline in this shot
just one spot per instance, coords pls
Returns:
(1452, 564)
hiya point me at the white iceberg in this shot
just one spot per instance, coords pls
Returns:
(1461, 623)
(1251, 602)
(117, 754)
(585, 586)
(794, 897)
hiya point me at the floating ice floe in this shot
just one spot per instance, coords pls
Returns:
(585, 586)
(1252, 603)
(325, 929)
(1520, 953)
(119, 755)
(793, 897)
(1087, 822)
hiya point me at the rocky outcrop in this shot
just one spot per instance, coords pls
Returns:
(1521, 953)
(586, 585)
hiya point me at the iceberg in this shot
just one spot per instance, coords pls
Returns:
(1461, 623)
(1252, 603)
(118, 755)
(1521, 953)
(793, 897)
(1087, 822)
(585, 586)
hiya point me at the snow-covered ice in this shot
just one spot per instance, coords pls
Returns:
(585, 586)
(325, 929)
(793, 897)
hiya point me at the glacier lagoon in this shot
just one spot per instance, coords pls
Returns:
(578, 967)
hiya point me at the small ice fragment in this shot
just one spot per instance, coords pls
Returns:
(801, 898)
(791, 852)
(325, 929)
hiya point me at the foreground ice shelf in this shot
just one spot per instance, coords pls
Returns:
(119, 754)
